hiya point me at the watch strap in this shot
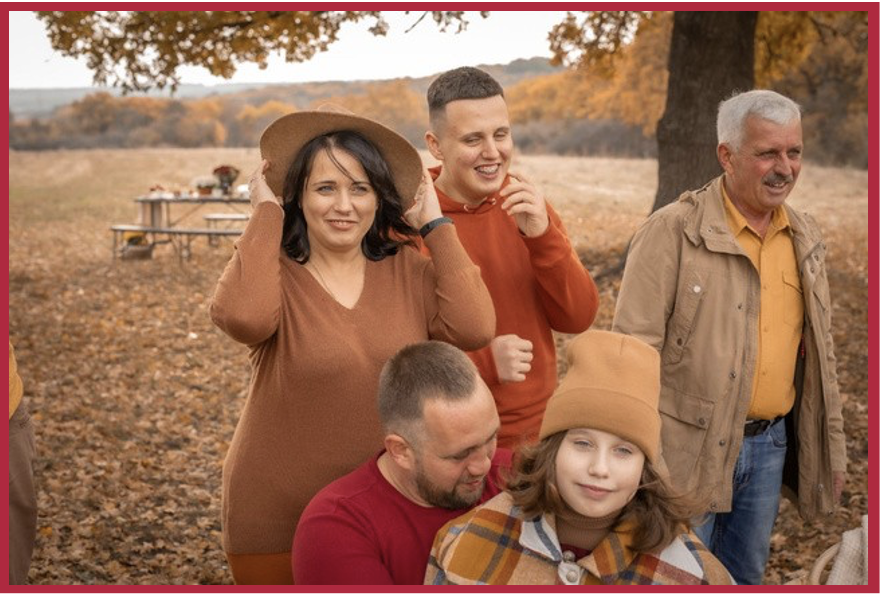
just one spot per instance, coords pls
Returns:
(431, 225)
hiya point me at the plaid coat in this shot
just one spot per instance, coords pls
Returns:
(493, 544)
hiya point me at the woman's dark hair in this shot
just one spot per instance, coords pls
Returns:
(389, 229)
(657, 511)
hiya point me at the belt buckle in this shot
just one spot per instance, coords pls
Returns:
(756, 427)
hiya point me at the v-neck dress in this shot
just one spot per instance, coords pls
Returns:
(310, 416)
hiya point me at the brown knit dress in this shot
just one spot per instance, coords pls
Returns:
(310, 415)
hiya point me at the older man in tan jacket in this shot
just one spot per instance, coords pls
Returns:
(729, 284)
(22, 495)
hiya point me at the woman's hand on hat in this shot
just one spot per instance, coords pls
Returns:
(513, 357)
(426, 206)
(258, 189)
(526, 205)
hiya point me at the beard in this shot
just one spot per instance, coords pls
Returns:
(451, 499)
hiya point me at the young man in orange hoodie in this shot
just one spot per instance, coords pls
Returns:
(512, 233)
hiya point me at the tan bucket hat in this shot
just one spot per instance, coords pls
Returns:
(286, 136)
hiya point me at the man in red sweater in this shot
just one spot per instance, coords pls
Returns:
(376, 525)
(511, 232)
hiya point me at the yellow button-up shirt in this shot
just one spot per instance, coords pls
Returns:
(15, 388)
(781, 318)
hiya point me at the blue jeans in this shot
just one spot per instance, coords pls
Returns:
(740, 538)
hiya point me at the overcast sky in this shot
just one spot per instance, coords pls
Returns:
(499, 39)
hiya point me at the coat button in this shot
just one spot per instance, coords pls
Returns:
(679, 342)
(732, 375)
(713, 506)
(701, 421)
(739, 306)
(722, 442)
(697, 288)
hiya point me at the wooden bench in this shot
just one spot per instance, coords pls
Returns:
(180, 237)
(225, 216)
(214, 218)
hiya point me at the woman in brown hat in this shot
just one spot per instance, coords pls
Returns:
(586, 504)
(323, 287)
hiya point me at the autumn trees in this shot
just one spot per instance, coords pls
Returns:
(830, 81)
(101, 120)
(663, 72)
(139, 50)
(713, 54)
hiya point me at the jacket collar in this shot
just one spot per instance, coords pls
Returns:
(607, 561)
(706, 223)
(804, 231)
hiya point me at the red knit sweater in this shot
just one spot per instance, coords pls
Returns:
(361, 530)
(310, 416)
(537, 285)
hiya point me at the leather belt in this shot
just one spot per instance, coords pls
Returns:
(755, 427)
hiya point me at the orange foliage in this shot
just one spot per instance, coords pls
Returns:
(637, 91)
(393, 103)
(251, 120)
(634, 92)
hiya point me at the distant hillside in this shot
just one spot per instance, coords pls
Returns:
(41, 103)
(235, 115)
(38, 103)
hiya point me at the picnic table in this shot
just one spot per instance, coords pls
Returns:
(155, 209)
(158, 223)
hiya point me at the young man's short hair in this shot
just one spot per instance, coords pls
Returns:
(461, 83)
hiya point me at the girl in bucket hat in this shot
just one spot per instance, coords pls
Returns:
(323, 287)
(587, 503)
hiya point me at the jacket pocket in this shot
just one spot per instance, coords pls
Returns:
(681, 322)
(814, 277)
(792, 299)
(685, 424)
(821, 294)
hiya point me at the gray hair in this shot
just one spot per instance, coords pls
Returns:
(767, 105)
(417, 373)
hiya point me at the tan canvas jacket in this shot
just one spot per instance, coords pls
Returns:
(691, 292)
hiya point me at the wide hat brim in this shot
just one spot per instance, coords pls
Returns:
(286, 136)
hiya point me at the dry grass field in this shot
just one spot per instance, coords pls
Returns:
(135, 394)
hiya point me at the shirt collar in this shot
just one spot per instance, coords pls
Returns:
(607, 561)
(737, 222)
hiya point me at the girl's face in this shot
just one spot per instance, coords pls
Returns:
(597, 473)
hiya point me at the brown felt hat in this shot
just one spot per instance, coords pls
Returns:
(613, 385)
(282, 141)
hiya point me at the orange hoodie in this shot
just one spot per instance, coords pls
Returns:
(537, 285)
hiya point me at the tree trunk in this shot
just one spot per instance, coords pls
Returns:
(712, 55)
